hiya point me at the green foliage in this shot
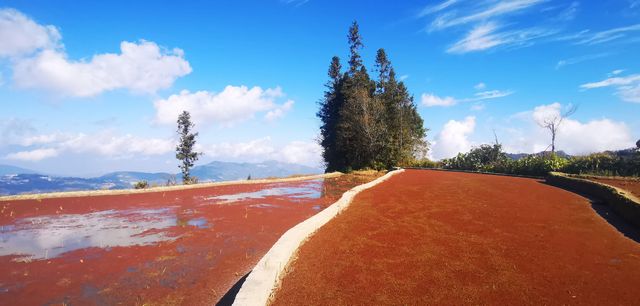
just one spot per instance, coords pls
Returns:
(606, 163)
(141, 185)
(421, 163)
(184, 150)
(482, 158)
(489, 158)
(368, 123)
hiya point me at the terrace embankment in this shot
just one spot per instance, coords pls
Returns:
(446, 238)
(621, 195)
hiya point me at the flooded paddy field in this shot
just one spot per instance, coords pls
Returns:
(175, 247)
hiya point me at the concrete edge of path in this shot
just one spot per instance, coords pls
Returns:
(266, 275)
(92, 193)
(623, 202)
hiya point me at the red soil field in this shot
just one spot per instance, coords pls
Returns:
(631, 185)
(164, 248)
(447, 238)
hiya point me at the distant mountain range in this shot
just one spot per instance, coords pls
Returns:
(16, 180)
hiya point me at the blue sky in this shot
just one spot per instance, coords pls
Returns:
(94, 87)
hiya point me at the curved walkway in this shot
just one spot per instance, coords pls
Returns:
(446, 238)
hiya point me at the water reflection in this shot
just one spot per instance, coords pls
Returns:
(310, 190)
(50, 236)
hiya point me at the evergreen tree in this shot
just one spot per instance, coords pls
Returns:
(367, 123)
(355, 44)
(329, 114)
(184, 149)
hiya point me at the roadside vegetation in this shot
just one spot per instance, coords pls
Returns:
(491, 158)
(368, 123)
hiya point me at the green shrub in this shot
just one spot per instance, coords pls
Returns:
(141, 184)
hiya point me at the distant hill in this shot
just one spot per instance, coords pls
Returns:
(126, 179)
(228, 171)
(15, 180)
(7, 170)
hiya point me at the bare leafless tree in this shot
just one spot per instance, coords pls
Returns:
(552, 123)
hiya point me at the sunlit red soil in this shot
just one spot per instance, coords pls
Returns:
(181, 247)
(447, 238)
(631, 185)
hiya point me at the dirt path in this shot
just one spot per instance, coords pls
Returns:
(447, 238)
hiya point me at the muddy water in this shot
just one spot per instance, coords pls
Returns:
(180, 247)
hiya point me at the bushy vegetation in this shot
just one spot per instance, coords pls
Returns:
(368, 123)
(491, 158)
(141, 185)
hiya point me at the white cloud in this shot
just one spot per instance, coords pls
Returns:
(480, 38)
(430, 100)
(141, 67)
(503, 7)
(580, 59)
(454, 138)
(279, 111)
(587, 37)
(480, 86)
(490, 94)
(433, 100)
(33, 155)
(486, 36)
(436, 8)
(234, 104)
(574, 137)
(21, 35)
(404, 77)
(616, 72)
(110, 145)
(616, 81)
(627, 88)
(105, 143)
(300, 152)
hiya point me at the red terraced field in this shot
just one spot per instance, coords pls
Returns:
(180, 247)
(449, 238)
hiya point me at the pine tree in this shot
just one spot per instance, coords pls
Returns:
(367, 123)
(329, 114)
(184, 149)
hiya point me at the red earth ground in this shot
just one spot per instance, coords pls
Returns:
(446, 238)
(183, 247)
(631, 185)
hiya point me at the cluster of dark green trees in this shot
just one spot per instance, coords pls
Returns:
(368, 123)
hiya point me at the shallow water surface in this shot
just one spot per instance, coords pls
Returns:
(186, 246)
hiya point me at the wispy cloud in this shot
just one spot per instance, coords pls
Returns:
(295, 2)
(495, 9)
(430, 9)
(587, 37)
(487, 36)
(627, 88)
(430, 100)
(580, 59)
